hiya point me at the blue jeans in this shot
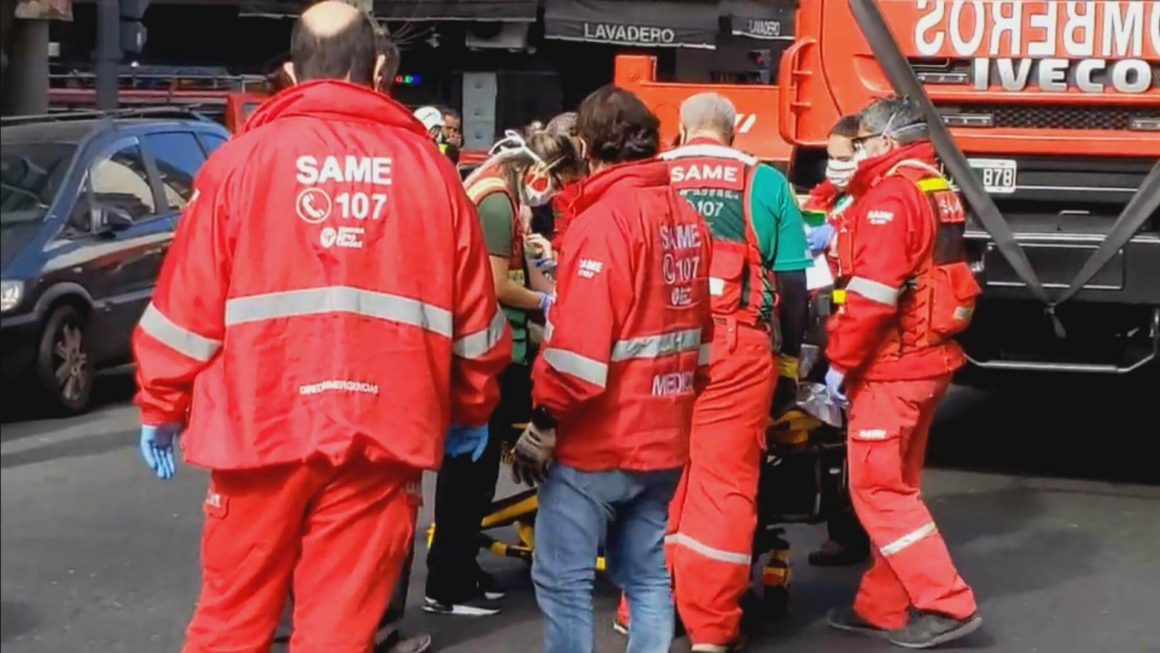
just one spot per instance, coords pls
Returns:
(627, 513)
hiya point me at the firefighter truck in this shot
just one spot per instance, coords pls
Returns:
(1046, 115)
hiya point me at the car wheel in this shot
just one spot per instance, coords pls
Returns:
(63, 365)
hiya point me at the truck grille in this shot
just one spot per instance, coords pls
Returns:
(1058, 116)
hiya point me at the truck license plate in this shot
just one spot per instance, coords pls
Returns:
(998, 175)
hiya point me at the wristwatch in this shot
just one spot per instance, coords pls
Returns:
(543, 418)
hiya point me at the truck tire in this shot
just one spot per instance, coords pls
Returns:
(63, 366)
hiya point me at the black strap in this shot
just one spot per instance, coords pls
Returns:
(1145, 204)
(902, 77)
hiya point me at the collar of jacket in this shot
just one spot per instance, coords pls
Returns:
(333, 99)
(823, 197)
(872, 170)
(649, 173)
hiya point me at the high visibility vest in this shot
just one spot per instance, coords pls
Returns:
(717, 181)
(939, 300)
(480, 188)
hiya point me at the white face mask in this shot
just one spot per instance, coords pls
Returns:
(840, 172)
(860, 156)
(535, 198)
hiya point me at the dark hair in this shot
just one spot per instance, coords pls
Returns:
(448, 112)
(564, 123)
(348, 52)
(386, 48)
(617, 126)
(846, 127)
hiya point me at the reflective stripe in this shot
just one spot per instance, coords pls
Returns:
(664, 344)
(908, 539)
(874, 291)
(581, 367)
(716, 286)
(476, 191)
(178, 338)
(479, 343)
(339, 299)
(708, 150)
(932, 185)
(703, 354)
(680, 539)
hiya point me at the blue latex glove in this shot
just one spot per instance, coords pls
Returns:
(834, 382)
(819, 238)
(466, 439)
(157, 444)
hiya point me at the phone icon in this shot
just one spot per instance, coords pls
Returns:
(313, 205)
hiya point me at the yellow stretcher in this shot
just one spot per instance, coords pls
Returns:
(792, 432)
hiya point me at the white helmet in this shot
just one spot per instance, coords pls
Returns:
(430, 117)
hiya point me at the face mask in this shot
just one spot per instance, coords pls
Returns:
(839, 172)
(860, 155)
(538, 188)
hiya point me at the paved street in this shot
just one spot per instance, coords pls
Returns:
(1050, 518)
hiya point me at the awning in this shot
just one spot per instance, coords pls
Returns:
(767, 21)
(625, 22)
(418, 10)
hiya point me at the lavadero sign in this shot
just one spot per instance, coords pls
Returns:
(630, 34)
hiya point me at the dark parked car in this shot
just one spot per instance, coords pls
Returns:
(88, 207)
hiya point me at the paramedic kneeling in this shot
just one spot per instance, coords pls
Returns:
(288, 352)
(907, 291)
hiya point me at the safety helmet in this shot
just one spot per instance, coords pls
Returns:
(430, 117)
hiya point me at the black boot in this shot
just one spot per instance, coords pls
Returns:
(928, 629)
(850, 621)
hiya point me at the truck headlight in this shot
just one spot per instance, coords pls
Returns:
(11, 292)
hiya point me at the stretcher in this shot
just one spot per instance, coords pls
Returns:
(803, 480)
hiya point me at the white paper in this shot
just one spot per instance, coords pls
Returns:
(818, 275)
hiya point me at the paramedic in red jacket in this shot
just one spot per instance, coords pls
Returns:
(759, 262)
(320, 322)
(614, 385)
(907, 290)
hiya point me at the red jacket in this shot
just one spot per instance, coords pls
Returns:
(889, 233)
(618, 367)
(325, 293)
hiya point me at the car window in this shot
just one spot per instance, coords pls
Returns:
(120, 180)
(211, 142)
(80, 219)
(178, 159)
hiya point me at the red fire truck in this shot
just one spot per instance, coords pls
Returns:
(1046, 114)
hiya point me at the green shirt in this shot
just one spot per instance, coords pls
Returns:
(777, 221)
(495, 214)
(781, 234)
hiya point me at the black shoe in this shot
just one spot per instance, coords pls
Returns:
(928, 629)
(490, 587)
(848, 620)
(476, 606)
(836, 554)
(396, 642)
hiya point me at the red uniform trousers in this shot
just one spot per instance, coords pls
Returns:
(338, 535)
(889, 424)
(713, 515)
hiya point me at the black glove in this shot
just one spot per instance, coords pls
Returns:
(532, 455)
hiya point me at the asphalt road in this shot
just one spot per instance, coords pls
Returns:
(1053, 517)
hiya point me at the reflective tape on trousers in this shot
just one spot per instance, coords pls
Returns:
(908, 540)
(339, 299)
(680, 539)
(164, 330)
